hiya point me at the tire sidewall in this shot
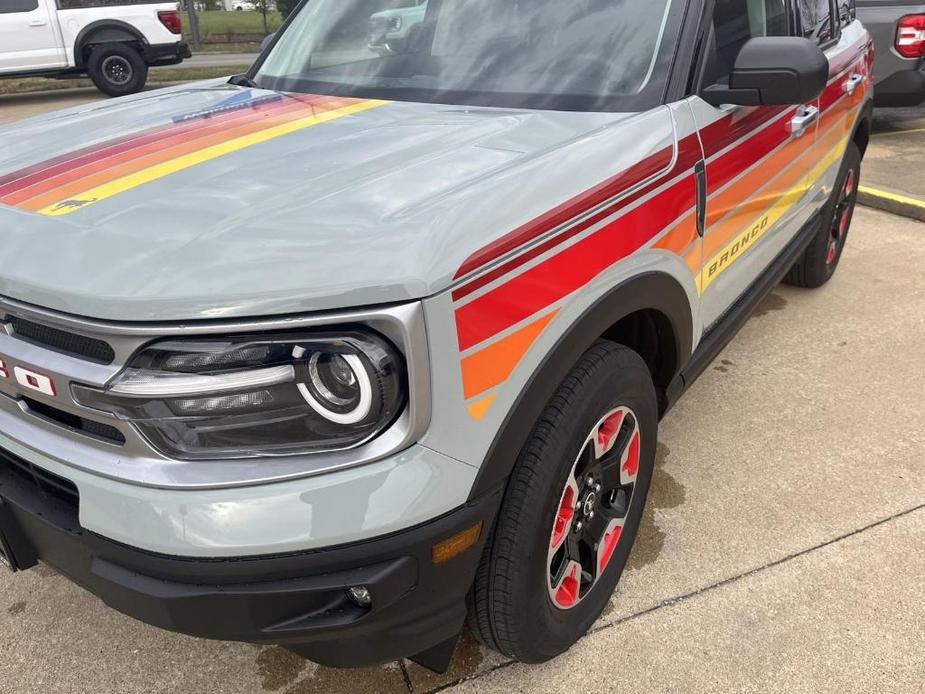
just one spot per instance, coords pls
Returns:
(102, 82)
(554, 629)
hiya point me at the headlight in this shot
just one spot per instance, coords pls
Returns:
(256, 396)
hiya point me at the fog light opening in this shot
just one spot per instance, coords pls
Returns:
(360, 596)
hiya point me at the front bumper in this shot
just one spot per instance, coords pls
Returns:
(297, 599)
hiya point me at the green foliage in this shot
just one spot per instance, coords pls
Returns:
(286, 7)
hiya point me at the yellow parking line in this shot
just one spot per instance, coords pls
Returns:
(895, 197)
(899, 132)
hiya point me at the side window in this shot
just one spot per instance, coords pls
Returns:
(734, 23)
(847, 11)
(14, 6)
(817, 21)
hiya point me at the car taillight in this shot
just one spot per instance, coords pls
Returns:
(910, 37)
(171, 20)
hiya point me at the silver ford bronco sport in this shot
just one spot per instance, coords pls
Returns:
(347, 350)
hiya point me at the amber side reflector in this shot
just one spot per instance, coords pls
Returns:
(457, 544)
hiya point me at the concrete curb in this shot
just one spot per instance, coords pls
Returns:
(895, 203)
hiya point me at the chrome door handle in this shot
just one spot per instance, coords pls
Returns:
(805, 117)
(853, 83)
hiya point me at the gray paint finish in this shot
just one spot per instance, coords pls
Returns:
(374, 207)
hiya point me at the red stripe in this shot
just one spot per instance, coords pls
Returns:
(575, 266)
(729, 129)
(567, 210)
(738, 160)
(30, 175)
(688, 155)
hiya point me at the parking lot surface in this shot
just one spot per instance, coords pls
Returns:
(783, 546)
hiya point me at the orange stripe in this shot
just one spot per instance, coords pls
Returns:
(681, 235)
(160, 152)
(149, 146)
(723, 232)
(731, 197)
(479, 408)
(490, 366)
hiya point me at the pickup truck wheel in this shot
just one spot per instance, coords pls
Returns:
(117, 69)
(571, 510)
(820, 260)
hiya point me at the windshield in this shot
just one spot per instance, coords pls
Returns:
(556, 54)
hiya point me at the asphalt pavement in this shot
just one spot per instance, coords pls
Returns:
(783, 546)
(219, 59)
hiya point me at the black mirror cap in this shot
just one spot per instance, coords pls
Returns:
(774, 71)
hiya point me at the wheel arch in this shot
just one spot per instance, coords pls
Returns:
(104, 31)
(646, 307)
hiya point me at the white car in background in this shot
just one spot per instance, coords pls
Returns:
(113, 44)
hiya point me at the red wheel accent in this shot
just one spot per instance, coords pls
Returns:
(631, 464)
(608, 545)
(849, 185)
(843, 224)
(567, 592)
(593, 507)
(608, 430)
(563, 517)
(833, 251)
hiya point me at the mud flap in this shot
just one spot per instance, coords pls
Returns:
(437, 658)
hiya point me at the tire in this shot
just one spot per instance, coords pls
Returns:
(117, 69)
(528, 600)
(821, 257)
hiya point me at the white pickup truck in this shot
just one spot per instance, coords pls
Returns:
(112, 41)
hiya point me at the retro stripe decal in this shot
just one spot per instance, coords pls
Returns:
(756, 172)
(725, 257)
(560, 274)
(75, 181)
(492, 365)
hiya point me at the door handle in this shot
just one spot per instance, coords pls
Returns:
(853, 83)
(805, 117)
(37, 22)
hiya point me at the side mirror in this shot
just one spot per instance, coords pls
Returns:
(773, 71)
(266, 41)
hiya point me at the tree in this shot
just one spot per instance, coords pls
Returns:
(286, 7)
(264, 7)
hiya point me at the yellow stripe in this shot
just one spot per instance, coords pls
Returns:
(734, 250)
(895, 197)
(120, 185)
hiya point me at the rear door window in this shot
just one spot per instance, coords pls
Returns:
(818, 21)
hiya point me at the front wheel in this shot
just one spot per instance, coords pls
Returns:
(571, 510)
(820, 259)
(117, 69)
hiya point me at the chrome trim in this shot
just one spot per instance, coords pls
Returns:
(137, 462)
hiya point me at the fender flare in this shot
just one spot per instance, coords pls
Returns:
(651, 291)
(105, 31)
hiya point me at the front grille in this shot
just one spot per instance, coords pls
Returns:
(62, 341)
(46, 482)
(87, 427)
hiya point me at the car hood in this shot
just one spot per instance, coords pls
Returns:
(212, 201)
